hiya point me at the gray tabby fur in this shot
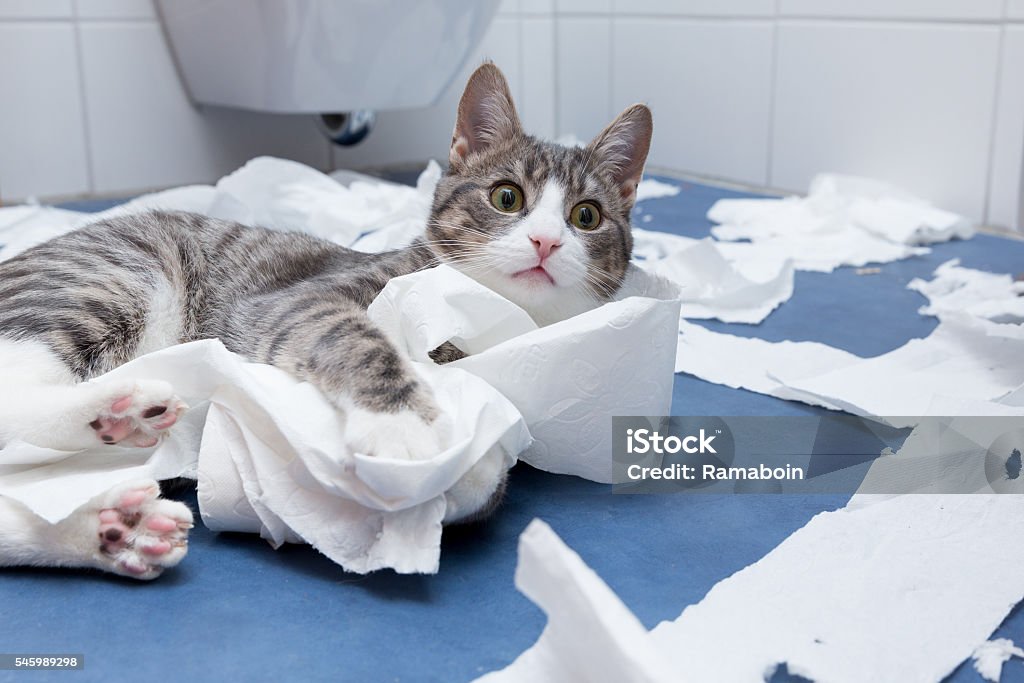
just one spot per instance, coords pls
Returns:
(104, 294)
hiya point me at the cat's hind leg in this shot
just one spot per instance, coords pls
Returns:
(41, 403)
(128, 530)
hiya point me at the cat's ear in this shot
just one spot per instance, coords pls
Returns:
(622, 148)
(486, 114)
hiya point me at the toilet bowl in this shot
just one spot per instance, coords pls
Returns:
(322, 56)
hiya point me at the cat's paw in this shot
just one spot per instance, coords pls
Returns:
(137, 413)
(404, 435)
(137, 533)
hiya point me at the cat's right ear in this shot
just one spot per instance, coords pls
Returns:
(486, 114)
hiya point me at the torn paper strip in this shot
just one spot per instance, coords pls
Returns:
(590, 635)
(955, 289)
(836, 601)
(990, 656)
(839, 601)
(972, 358)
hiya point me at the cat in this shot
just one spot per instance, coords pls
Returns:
(546, 226)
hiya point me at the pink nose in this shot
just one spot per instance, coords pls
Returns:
(545, 245)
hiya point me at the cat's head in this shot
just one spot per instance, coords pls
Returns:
(545, 226)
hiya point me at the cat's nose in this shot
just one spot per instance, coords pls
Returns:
(545, 244)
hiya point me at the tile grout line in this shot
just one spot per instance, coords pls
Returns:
(86, 128)
(773, 81)
(609, 114)
(994, 120)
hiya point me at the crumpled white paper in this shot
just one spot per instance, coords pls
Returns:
(567, 378)
(843, 220)
(737, 291)
(994, 296)
(990, 656)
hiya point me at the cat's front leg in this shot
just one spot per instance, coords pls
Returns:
(389, 411)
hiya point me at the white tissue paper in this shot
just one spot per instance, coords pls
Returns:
(836, 601)
(649, 188)
(968, 357)
(590, 636)
(842, 221)
(740, 291)
(839, 601)
(993, 296)
(990, 656)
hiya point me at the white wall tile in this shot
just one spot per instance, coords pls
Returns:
(894, 9)
(416, 135)
(910, 104)
(708, 84)
(584, 89)
(1015, 10)
(1006, 189)
(537, 102)
(35, 9)
(714, 8)
(115, 9)
(143, 130)
(42, 140)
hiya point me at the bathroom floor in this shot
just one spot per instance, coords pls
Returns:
(238, 610)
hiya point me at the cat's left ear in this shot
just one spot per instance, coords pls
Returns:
(623, 146)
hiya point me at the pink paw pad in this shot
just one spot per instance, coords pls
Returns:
(120, 405)
(141, 534)
(161, 523)
(138, 419)
(135, 498)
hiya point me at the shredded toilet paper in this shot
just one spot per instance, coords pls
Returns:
(650, 188)
(990, 656)
(971, 358)
(898, 590)
(994, 296)
(843, 220)
(712, 286)
(591, 635)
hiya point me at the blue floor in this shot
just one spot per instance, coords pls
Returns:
(238, 610)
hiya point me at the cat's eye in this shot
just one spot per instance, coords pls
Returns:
(507, 198)
(585, 216)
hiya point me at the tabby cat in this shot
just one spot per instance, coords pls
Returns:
(546, 226)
